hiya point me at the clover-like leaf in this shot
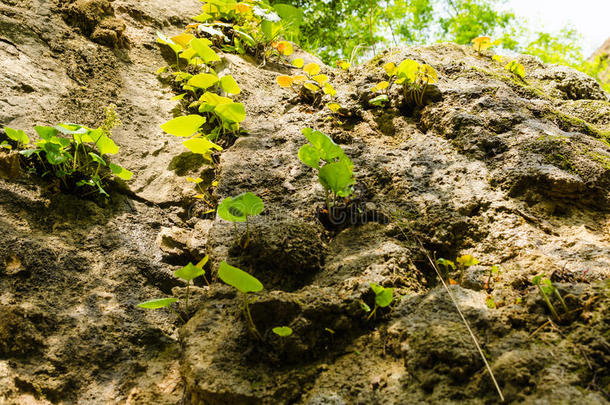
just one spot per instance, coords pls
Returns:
(183, 126)
(238, 278)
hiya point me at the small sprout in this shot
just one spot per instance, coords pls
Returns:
(282, 331)
(245, 283)
(491, 304)
(188, 273)
(161, 303)
(342, 64)
(413, 76)
(494, 270)
(239, 208)
(497, 58)
(464, 262)
(446, 265)
(516, 68)
(481, 44)
(332, 332)
(546, 288)
(18, 136)
(383, 297)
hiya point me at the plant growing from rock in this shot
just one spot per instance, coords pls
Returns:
(187, 273)
(516, 68)
(310, 86)
(414, 78)
(188, 126)
(546, 289)
(335, 173)
(244, 283)
(74, 154)
(282, 331)
(464, 262)
(493, 270)
(383, 298)
(239, 209)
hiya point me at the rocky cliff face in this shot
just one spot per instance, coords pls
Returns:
(603, 51)
(515, 172)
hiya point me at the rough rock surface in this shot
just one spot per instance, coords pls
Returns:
(514, 172)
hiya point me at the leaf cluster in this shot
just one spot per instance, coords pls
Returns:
(414, 78)
(310, 85)
(73, 153)
(335, 169)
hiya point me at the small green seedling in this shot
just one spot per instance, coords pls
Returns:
(282, 331)
(546, 288)
(383, 298)
(336, 174)
(188, 273)
(516, 68)
(311, 85)
(481, 44)
(239, 209)
(414, 78)
(445, 265)
(245, 283)
(494, 270)
(464, 262)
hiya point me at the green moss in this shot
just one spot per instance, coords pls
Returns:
(601, 158)
(512, 80)
(570, 123)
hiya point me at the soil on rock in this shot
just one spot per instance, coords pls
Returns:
(513, 172)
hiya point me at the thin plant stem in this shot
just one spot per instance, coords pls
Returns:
(548, 302)
(474, 339)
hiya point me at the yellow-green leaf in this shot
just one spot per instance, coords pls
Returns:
(298, 62)
(311, 69)
(320, 79)
(229, 85)
(203, 80)
(204, 51)
(183, 126)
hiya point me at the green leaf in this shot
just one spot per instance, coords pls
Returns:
(105, 145)
(239, 279)
(445, 263)
(408, 69)
(120, 172)
(536, 279)
(200, 145)
(53, 153)
(183, 126)
(467, 260)
(158, 303)
(189, 272)
(325, 146)
(204, 51)
(384, 298)
(17, 135)
(379, 100)
(97, 158)
(203, 80)
(365, 307)
(231, 112)
(282, 331)
(165, 40)
(45, 133)
(336, 177)
(229, 85)
(236, 209)
(310, 156)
